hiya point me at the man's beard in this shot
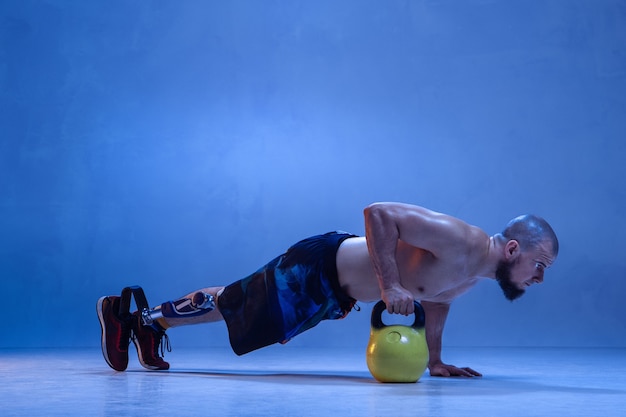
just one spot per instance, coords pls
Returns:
(503, 276)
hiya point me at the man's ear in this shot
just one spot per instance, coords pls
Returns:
(511, 249)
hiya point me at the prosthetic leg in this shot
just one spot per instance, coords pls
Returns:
(201, 303)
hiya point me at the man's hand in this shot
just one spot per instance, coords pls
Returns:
(398, 300)
(442, 369)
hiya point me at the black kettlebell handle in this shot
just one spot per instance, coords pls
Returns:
(377, 312)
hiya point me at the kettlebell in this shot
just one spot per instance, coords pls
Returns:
(397, 353)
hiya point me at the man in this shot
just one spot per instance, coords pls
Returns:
(408, 253)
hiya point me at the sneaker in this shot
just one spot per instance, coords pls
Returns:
(115, 333)
(147, 340)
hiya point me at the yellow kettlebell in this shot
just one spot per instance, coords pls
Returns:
(397, 353)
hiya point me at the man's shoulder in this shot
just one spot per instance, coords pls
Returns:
(462, 238)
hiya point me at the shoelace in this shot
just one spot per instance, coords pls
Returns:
(164, 341)
(161, 338)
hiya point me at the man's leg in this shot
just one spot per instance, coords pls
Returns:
(147, 328)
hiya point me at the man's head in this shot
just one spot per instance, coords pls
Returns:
(530, 246)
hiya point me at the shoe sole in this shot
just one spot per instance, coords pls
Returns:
(103, 331)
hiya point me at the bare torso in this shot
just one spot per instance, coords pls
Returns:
(428, 278)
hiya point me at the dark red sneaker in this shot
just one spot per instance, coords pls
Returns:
(147, 340)
(115, 333)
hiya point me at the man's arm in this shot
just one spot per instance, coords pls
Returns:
(436, 314)
(385, 224)
(382, 234)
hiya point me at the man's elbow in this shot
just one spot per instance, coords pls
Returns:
(375, 209)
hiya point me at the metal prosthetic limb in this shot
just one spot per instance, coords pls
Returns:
(199, 304)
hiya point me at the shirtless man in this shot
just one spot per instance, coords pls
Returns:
(408, 253)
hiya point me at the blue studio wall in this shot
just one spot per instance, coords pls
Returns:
(182, 144)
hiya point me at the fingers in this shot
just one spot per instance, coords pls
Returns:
(449, 370)
(396, 308)
(401, 307)
(399, 301)
(472, 372)
(467, 372)
(463, 372)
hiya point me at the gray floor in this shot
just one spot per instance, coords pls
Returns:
(288, 381)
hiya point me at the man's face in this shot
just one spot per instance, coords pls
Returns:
(523, 271)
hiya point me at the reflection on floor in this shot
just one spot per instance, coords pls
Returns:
(286, 381)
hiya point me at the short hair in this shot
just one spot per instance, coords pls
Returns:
(531, 231)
